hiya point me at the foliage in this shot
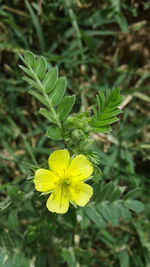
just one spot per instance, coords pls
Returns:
(97, 45)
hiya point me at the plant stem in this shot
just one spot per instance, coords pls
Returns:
(52, 109)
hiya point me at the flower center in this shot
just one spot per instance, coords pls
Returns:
(66, 181)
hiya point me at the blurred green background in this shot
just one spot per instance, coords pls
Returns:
(96, 45)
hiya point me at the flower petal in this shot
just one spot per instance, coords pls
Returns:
(79, 169)
(59, 161)
(80, 193)
(58, 201)
(45, 180)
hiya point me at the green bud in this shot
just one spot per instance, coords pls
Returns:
(77, 134)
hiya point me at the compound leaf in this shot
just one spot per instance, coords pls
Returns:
(107, 110)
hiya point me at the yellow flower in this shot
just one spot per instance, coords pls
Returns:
(65, 181)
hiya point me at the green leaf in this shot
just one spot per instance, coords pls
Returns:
(50, 79)
(121, 20)
(115, 5)
(111, 161)
(96, 189)
(33, 83)
(94, 111)
(134, 205)
(112, 114)
(104, 129)
(54, 133)
(26, 71)
(115, 214)
(124, 258)
(116, 194)
(106, 122)
(69, 257)
(107, 110)
(133, 193)
(124, 213)
(115, 208)
(39, 97)
(105, 210)
(92, 214)
(59, 90)
(97, 174)
(48, 115)
(29, 59)
(113, 95)
(100, 102)
(106, 191)
(65, 106)
(109, 213)
(21, 57)
(40, 67)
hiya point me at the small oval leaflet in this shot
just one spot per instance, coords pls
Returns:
(65, 106)
(54, 133)
(48, 115)
(39, 97)
(135, 205)
(29, 59)
(59, 91)
(50, 79)
(40, 67)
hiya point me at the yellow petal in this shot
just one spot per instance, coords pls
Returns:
(58, 201)
(59, 161)
(45, 180)
(79, 169)
(80, 193)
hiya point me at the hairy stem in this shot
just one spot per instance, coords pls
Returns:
(52, 109)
